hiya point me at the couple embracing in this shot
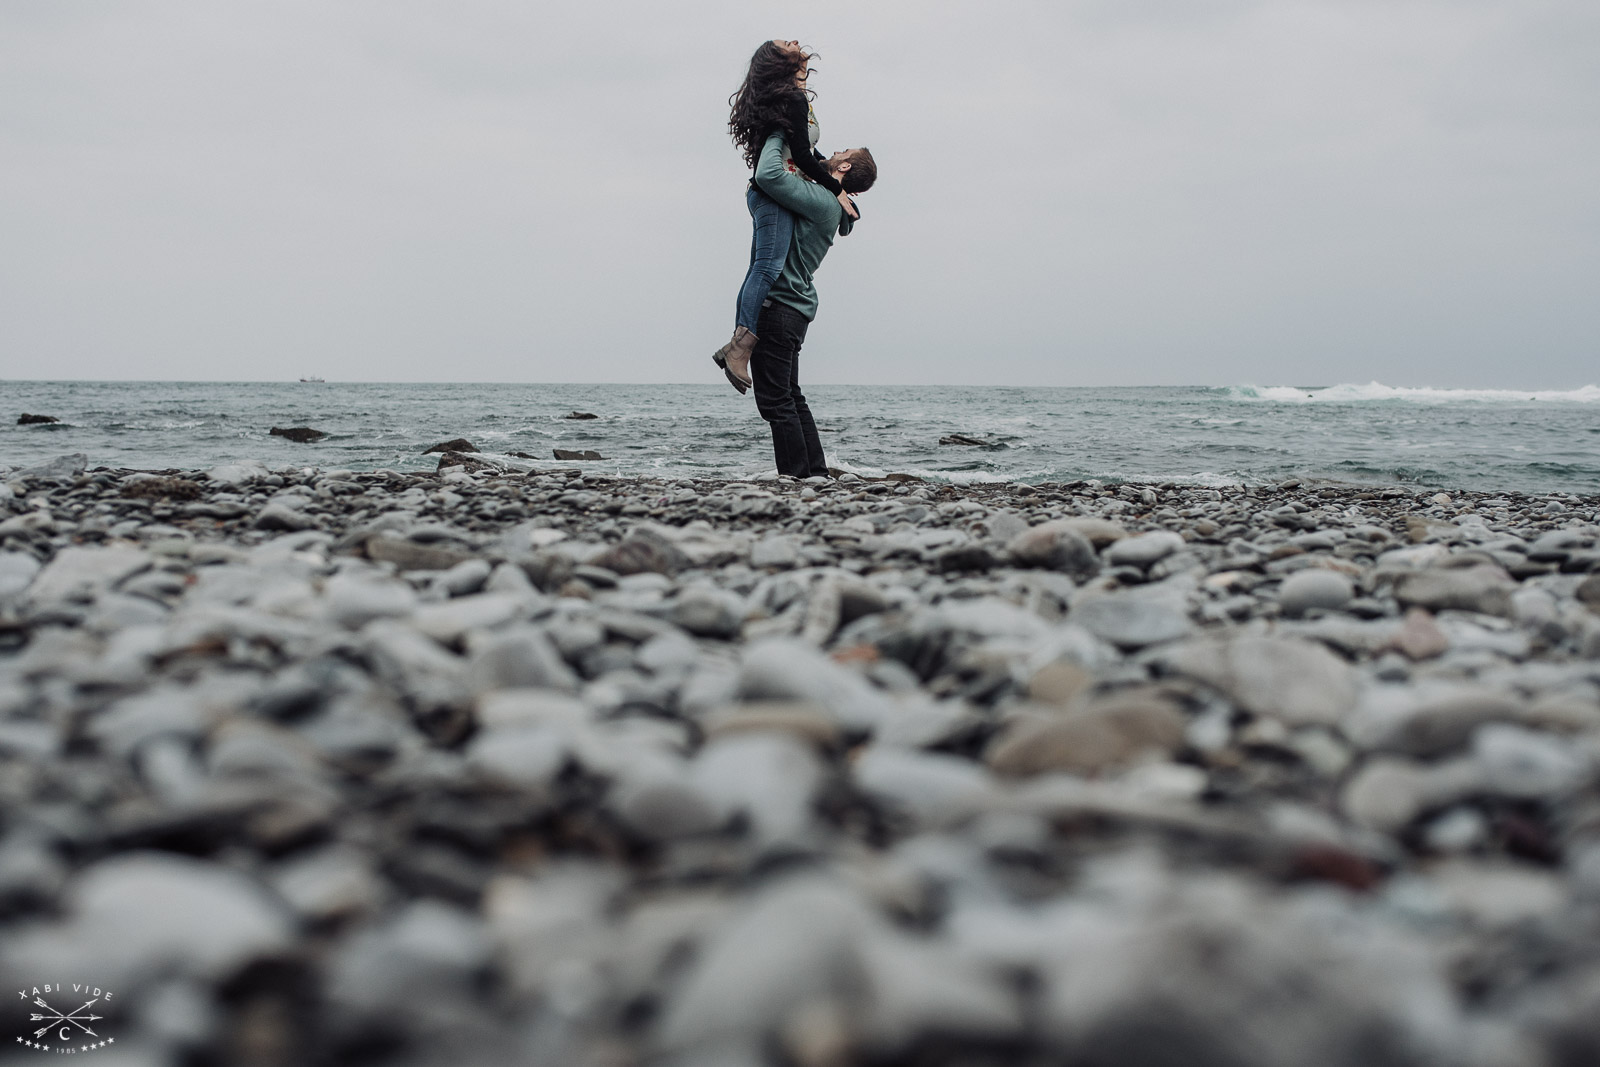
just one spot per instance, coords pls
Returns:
(798, 201)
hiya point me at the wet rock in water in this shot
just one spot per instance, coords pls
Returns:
(569, 454)
(580, 415)
(1055, 546)
(302, 434)
(457, 444)
(26, 419)
(963, 439)
(1312, 589)
(462, 461)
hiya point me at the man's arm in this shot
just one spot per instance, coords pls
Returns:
(791, 190)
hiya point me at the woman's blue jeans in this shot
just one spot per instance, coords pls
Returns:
(769, 247)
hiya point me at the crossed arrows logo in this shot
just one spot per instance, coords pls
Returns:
(74, 1018)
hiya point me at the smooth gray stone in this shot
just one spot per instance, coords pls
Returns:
(666, 653)
(450, 620)
(1387, 794)
(1482, 588)
(237, 473)
(428, 952)
(775, 551)
(280, 516)
(786, 669)
(1143, 549)
(334, 882)
(709, 612)
(1428, 720)
(1527, 764)
(465, 577)
(1315, 588)
(79, 573)
(1001, 526)
(31, 873)
(770, 778)
(663, 806)
(522, 657)
(353, 601)
(1558, 544)
(1283, 677)
(146, 913)
(166, 711)
(527, 757)
(1133, 618)
(794, 942)
(928, 787)
(1055, 546)
(17, 569)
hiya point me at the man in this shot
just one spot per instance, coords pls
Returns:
(792, 304)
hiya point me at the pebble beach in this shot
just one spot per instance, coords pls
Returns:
(491, 765)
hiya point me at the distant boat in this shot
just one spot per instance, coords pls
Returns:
(313, 379)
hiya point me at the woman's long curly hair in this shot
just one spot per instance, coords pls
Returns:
(758, 107)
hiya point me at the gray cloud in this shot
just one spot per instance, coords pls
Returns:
(1084, 193)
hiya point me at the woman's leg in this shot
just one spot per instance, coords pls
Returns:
(773, 228)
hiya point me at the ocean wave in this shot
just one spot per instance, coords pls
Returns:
(1349, 393)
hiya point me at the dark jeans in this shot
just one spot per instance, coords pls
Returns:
(775, 368)
(773, 227)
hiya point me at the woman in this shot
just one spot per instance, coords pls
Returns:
(773, 97)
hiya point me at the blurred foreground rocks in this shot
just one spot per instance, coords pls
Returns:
(487, 766)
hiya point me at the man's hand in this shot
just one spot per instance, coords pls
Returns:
(849, 205)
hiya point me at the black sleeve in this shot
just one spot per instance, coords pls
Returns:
(810, 163)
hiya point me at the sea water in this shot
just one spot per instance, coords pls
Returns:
(1497, 440)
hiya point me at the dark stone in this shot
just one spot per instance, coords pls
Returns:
(580, 415)
(168, 488)
(963, 439)
(410, 556)
(1588, 593)
(460, 444)
(303, 434)
(568, 454)
(465, 462)
(966, 558)
(36, 420)
(643, 551)
(521, 455)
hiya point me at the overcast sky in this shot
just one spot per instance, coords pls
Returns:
(1075, 192)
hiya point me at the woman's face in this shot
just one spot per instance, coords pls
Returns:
(788, 48)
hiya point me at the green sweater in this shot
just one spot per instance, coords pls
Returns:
(817, 217)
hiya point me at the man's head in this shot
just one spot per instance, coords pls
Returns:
(854, 168)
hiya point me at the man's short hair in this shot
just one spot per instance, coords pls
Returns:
(862, 173)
